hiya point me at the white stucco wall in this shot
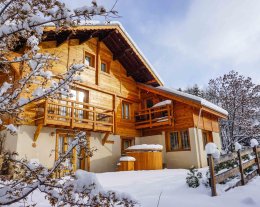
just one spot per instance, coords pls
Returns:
(184, 159)
(10, 142)
(178, 159)
(103, 160)
(106, 157)
(22, 144)
(216, 140)
(202, 152)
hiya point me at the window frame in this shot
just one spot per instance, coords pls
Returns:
(123, 139)
(107, 63)
(123, 110)
(180, 140)
(92, 58)
(209, 137)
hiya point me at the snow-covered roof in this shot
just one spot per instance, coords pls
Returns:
(194, 98)
(162, 103)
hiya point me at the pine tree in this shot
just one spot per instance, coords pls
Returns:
(195, 90)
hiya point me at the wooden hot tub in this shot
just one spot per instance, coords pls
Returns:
(146, 159)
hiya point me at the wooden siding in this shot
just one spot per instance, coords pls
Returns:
(207, 121)
(110, 89)
(146, 160)
(106, 90)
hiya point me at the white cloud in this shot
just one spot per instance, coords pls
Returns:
(211, 39)
(219, 30)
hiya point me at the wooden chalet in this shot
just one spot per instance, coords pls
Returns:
(120, 101)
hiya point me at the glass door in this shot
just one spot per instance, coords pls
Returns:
(80, 97)
(77, 160)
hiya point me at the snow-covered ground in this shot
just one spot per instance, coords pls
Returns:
(147, 186)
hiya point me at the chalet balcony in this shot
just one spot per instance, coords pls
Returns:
(154, 117)
(65, 113)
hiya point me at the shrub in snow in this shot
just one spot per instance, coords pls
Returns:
(226, 165)
(254, 143)
(237, 146)
(210, 148)
(193, 178)
(205, 179)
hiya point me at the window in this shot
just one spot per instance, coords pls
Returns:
(125, 110)
(206, 137)
(89, 59)
(126, 142)
(178, 141)
(149, 103)
(80, 97)
(104, 67)
(174, 141)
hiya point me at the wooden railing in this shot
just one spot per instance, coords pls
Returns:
(154, 116)
(243, 163)
(74, 114)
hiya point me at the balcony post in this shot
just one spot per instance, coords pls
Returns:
(72, 115)
(113, 120)
(150, 117)
(45, 112)
(169, 114)
(94, 118)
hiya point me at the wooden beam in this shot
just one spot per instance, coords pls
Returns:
(104, 140)
(214, 112)
(97, 63)
(103, 38)
(86, 37)
(110, 142)
(62, 37)
(151, 82)
(114, 113)
(121, 53)
(37, 132)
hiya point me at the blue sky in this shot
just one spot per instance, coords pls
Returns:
(192, 41)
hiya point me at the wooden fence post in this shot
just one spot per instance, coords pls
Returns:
(212, 176)
(257, 159)
(241, 168)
